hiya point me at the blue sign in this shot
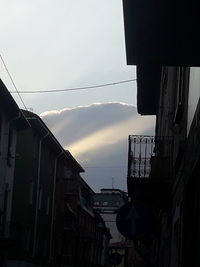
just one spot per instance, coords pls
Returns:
(134, 220)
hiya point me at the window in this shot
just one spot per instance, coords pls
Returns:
(105, 203)
(55, 211)
(10, 141)
(48, 205)
(180, 76)
(45, 248)
(177, 241)
(0, 132)
(67, 173)
(31, 192)
(35, 146)
(40, 199)
(37, 244)
(28, 239)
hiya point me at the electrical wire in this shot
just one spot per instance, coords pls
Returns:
(17, 91)
(102, 167)
(73, 89)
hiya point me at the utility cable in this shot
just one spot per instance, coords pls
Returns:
(104, 167)
(12, 81)
(74, 89)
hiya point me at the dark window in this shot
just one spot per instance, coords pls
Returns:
(10, 142)
(180, 76)
(0, 132)
(40, 199)
(31, 189)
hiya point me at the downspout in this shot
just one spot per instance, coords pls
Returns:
(53, 208)
(37, 196)
(9, 187)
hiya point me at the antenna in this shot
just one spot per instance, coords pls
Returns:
(113, 182)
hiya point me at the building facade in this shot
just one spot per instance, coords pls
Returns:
(47, 216)
(179, 93)
(166, 180)
(93, 235)
(107, 203)
(33, 213)
(12, 121)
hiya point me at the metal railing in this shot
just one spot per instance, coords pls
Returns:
(147, 152)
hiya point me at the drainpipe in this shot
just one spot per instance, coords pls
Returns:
(53, 208)
(37, 196)
(8, 192)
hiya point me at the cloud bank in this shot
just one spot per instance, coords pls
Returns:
(97, 136)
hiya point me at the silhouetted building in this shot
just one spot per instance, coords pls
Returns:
(107, 203)
(41, 159)
(12, 122)
(47, 215)
(93, 236)
(66, 227)
(164, 184)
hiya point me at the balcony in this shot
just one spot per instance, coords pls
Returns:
(149, 167)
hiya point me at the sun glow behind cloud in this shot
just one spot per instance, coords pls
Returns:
(109, 136)
(97, 136)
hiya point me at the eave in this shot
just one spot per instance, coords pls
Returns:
(159, 33)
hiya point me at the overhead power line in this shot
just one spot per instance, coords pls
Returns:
(17, 91)
(105, 167)
(74, 89)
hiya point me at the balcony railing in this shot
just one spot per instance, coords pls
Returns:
(149, 156)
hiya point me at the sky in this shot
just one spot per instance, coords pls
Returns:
(48, 44)
(62, 44)
(97, 136)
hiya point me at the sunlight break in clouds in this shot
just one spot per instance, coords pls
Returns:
(97, 136)
(109, 136)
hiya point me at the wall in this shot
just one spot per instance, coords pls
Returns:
(194, 94)
(110, 220)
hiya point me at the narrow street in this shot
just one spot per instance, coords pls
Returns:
(99, 133)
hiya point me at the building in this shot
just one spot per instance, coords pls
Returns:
(107, 203)
(12, 122)
(158, 34)
(47, 216)
(165, 179)
(66, 201)
(93, 235)
(40, 164)
(180, 97)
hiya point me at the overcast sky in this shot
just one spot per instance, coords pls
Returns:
(60, 44)
(48, 44)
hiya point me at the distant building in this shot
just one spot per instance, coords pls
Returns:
(93, 236)
(107, 203)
